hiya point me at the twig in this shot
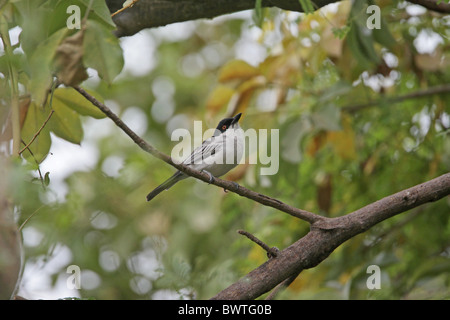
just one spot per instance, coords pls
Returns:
(38, 132)
(31, 215)
(417, 94)
(38, 169)
(126, 7)
(231, 186)
(271, 252)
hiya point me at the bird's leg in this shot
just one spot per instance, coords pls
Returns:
(211, 177)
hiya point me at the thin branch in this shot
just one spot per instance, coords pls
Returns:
(228, 185)
(271, 252)
(37, 133)
(31, 216)
(442, 89)
(124, 8)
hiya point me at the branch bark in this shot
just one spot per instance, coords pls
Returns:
(327, 234)
(156, 13)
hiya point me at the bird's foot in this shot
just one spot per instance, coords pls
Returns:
(211, 177)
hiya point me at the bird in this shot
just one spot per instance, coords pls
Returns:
(215, 156)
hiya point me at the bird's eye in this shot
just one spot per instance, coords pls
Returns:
(224, 127)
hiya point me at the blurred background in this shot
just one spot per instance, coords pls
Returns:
(344, 143)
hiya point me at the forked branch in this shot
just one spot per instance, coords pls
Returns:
(326, 234)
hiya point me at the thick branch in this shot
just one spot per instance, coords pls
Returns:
(327, 234)
(228, 185)
(156, 13)
(435, 5)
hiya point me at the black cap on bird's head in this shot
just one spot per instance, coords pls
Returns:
(227, 123)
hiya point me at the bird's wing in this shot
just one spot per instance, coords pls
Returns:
(208, 148)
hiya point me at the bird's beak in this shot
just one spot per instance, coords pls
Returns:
(236, 118)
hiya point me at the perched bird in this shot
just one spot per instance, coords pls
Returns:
(216, 156)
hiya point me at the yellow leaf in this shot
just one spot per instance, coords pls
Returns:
(343, 141)
(219, 98)
(237, 69)
(246, 91)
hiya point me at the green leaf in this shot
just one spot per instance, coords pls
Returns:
(40, 147)
(102, 51)
(47, 178)
(307, 6)
(40, 66)
(383, 36)
(72, 99)
(361, 46)
(66, 123)
(101, 11)
(258, 14)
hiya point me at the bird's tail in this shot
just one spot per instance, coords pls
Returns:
(166, 184)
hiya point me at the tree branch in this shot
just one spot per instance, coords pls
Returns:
(228, 185)
(435, 5)
(156, 13)
(271, 252)
(442, 89)
(327, 234)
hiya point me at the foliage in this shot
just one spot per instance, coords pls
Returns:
(333, 159)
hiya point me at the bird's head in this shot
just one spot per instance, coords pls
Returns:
(228, 123)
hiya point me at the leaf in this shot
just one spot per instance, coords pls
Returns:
(258, 15)
(219, 98)
(307, 6)
(101, 10)
(72, 99)
(237, 69)
(343, 141)
(47, 178)
(383, 36)
(355, 46)
(40, 147)
(66, 123)
(102, 51)
(246, 91)
(40, 66)
(69, 60)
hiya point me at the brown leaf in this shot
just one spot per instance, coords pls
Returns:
(69, 60)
